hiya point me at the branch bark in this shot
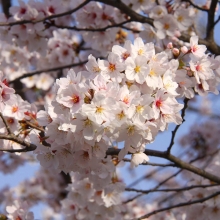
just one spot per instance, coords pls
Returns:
(179, 163)
(3, 24)
(179, 205)
(12, 137)
(47, 70)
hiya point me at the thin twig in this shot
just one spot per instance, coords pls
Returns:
(47, 70)
(196, 6)
(179, 205)
(32, 125)
(6, 124)
(156, 187)
(177, 127)
(153, 164)
(217, 20)
(46, 18)
(170, 190)
(133, 198)
(144, 177)
(128, 11)
(92, 29)
(211, 21)
(12, 137)
(179, 163)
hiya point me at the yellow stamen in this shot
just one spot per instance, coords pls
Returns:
(111, 67)
(99, 110)
(137, 69)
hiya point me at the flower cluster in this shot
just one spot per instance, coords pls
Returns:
(128, 98)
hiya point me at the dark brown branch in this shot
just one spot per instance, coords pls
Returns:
(6, 4)
(5, 123)
(144, 177)
(168, 178)
(170, 190)
(47, 70)
(46, 18)
(32, 125)
(154, 164)
(179, 205)
(211, 21)
(196, 6)
(179, 163)
(93, 29)
(177, 127)
(133, 198)
(216, 22)
(12, 137)
(156, 187)
(128, 11)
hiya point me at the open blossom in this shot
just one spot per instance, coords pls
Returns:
(137, 69)
(138, 158)
(112, 68)
(123, 52)
(16, 107)
(141, 49)
(166, 25)
(169, 84)
(201, 68)
(93, 66)
(19, 210)
(164, 104)
(72, 97)
(197, 50)
(44, 81)
(184, 20)
(100, 110)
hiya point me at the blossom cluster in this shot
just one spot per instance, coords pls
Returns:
(128, 98)
(41, 45)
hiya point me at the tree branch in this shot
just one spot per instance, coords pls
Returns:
(211, 21)
(196, 6)
(217, 20)
(210, 44)
(46, 18)
(177, 127)
(179, 205)
(153, 164)
(128, 11)
(5, 123)
(144, 177)
(47, 70)
(179, 163)
(92, 29)
(12, 137)
(6, 4)
(170, 190)
(156, 187)
(32, 125)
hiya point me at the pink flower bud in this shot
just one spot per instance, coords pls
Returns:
(184, 49)
(177, 34)
(170, 45)
(176, 52)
